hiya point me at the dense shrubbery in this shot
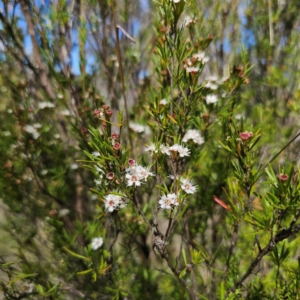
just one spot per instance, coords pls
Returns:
(151, 162)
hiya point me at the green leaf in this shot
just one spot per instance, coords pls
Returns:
(77, 255)
(84, 272)
(184, 256)
(182, 273)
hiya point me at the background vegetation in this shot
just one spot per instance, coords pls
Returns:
(149, 68)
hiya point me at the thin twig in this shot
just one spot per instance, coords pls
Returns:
(232, 246)
(165, 256)
(118, 50)
(273, 158)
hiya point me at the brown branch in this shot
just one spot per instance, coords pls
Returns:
(282, 235)
(118, 50)
(165, 256)
(189, 246)
(232, 246)
(17, 43)
(43, 76)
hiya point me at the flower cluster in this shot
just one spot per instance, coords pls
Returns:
(105, 111)
(164, 149)
(182, 151)
(114, 202)
(99, 113)
(33, 130)
(190, 64)
(194, 135)
(135, 174)
(168, 201)
(212, 83)
(200, 56)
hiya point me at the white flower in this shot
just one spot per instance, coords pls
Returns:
(188, 21)
(97, 243)
(113, 202)
(192, 70)
(43, 105)
(136, 173)
(74, 166)
(44, 172)
(6, 133)
(63, 212)
(28, 288)
(31, 129)
(211, 99)
(163, 102)
(151, 148)
(168, 201)
(188, 186)
(172, 176)
(194, 135)
(201, 57)
(198, 140)
(211, 85)
(96, 153)
(174, 147)
(164, 149)
(133, 180)
(187, 63)
(65, 112)
(142, 172)
(98, 181)
(212, 78)
(37, 125)
(183, 151)
(136, 127)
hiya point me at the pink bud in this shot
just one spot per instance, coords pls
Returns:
(222, 203)
(109, 113)
(131, 162)
(117, 146)
(115, 136)
(283, 177)
(246, 135)
(110, 175)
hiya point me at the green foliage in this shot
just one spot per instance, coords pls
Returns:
(149, 151)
